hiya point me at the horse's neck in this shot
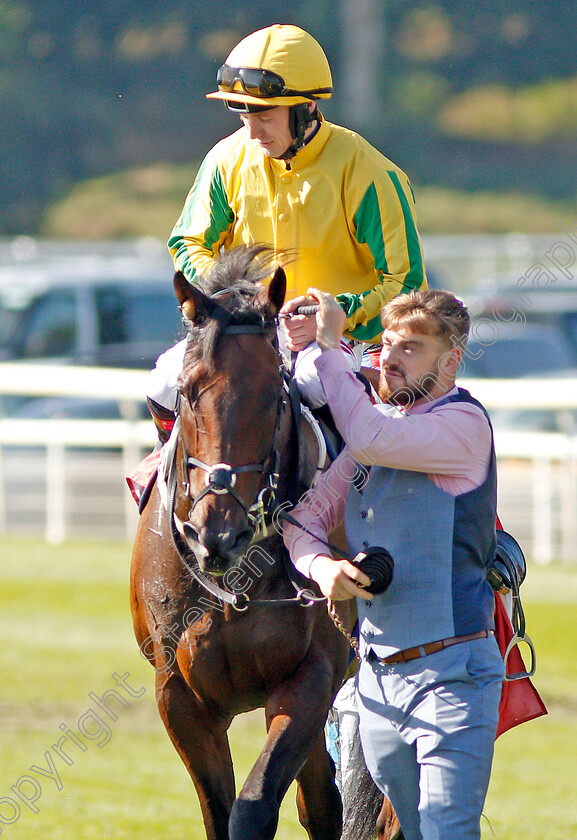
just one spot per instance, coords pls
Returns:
(309, 453)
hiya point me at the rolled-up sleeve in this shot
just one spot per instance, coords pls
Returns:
(320, 511)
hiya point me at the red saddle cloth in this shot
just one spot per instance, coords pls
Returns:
(141, 476)
(520, 700)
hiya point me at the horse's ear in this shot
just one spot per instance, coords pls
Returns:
(192, 300)
(277, 289)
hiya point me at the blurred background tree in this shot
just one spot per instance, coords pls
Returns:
(103, 119)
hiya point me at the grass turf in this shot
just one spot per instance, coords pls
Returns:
(66, 632)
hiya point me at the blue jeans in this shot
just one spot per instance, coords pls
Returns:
(428, 731)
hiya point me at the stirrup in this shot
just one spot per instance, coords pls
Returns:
(515, 639)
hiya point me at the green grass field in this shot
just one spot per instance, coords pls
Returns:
(66, 639)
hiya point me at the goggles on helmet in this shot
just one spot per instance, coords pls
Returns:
(258, 82)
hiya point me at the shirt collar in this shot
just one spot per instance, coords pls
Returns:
(426, 405)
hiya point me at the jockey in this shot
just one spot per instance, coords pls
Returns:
(320, 194)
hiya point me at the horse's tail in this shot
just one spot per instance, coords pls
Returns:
(367, 814)
(362, 802)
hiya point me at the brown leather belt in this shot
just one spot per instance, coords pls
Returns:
(432, 647)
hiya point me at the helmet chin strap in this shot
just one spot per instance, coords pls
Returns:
(300, 118)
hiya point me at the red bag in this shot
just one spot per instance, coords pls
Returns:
(520, 700)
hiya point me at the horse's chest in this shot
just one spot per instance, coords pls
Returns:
(240, 658)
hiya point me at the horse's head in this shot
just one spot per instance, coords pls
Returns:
(231, 402)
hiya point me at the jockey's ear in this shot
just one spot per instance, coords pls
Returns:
(194, 303)
(277, 289)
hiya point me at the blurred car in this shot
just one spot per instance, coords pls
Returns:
(523, 351)
(512, 299)
(118, 311)
(498, 350)
(100, 320)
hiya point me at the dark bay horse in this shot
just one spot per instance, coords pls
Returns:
(214, 608)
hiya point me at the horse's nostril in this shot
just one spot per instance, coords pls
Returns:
(222, 546)
(190, 532)
(243, 538)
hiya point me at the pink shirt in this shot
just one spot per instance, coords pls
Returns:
(450, 443)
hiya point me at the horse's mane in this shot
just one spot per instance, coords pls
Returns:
(235, 289)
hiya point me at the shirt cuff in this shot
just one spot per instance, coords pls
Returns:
(303, 564)
(333, 360)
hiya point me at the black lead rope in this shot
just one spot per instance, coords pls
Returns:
(377, 563)
(282, 514)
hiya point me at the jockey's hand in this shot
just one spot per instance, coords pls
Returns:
(300, 330)
(339, 580)
(330, 320)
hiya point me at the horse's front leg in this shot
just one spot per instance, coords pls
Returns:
(295, 713)
(202, 743)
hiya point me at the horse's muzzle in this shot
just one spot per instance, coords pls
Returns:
(217, 551)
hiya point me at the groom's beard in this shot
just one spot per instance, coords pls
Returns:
(407, 391)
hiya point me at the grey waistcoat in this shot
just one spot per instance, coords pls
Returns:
(441, 545)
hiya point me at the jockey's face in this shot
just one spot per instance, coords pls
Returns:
(270, 129)
(415, 367)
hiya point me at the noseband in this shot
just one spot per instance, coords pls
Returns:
(221, 479)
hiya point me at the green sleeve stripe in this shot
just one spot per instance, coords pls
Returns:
(221, 215)
(367, 332)
(368, 221)
(189, 209)
(416, 273)
(369, 228)
(369, 225)
(351, 303)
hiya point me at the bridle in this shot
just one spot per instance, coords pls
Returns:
(220, 480)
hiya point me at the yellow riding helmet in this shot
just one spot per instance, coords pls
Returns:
(279, 65)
